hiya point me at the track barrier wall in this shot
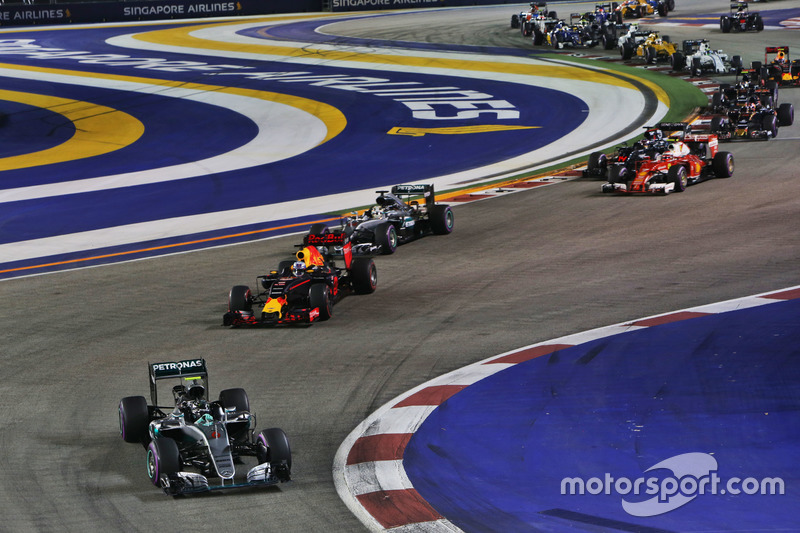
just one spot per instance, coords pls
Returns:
(86, 12)
(38, 13)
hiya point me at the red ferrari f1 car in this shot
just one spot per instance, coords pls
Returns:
(691, 158)
(303, 291)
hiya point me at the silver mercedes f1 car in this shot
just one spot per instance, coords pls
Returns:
(196, 445)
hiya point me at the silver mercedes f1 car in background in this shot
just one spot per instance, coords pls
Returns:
(396, 218)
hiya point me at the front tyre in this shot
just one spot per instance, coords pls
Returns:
(163, 458)
(617, 174)
(364, 275)
(272, 446)
(769, 123)
(236, 398)
(319, 297)
(786, 114)
(677, 175)
(386, 238)
(442, 219)
(134, 418)
(240, 299)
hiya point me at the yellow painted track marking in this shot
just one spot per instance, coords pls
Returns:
(181, 37)
(459, 130)
(98, 130)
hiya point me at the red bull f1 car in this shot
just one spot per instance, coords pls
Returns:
(691, 158)
(303, 291)
(196, 445)
(779, 67)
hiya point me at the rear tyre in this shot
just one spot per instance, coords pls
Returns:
(319, 228)
(678, 61)
(386, 238)
(772, 86)
(134, 418)
(677, 175)
(697, 68)
(236, 398)
(538, 37)
(598, 163)
(716, 124)
(736, 64)
(650, 55)
(239, 299)
(364, 275)
(442, 219)
(320, 297)
(725, 24)
(722, 164)
(716, 102)
(163, 457)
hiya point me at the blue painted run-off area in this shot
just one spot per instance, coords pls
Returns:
(492, 457)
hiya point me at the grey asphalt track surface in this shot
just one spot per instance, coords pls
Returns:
(517, 270)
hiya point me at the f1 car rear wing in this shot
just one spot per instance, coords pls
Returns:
(426, 191)
(186, 369)
(775, 50)
(335, 238)
(674, 129)
(691, 46)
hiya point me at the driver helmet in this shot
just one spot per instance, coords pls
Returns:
(375, 212)
(298, 268)
(653, 135)
(179, 393)
(197, 392)
(216, 411)
(781, 57)
(704, 48)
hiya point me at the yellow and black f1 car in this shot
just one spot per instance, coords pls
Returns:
(303, 291)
